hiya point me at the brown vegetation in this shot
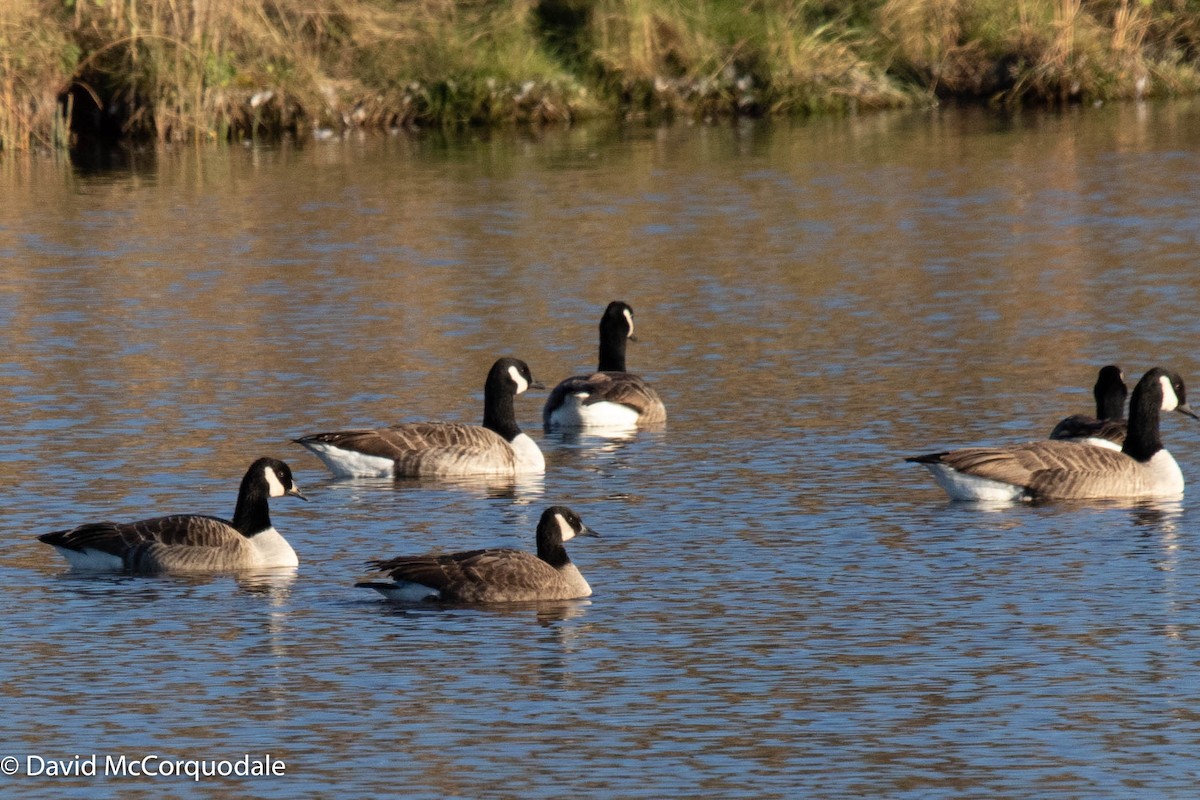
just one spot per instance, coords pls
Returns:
(202, 70)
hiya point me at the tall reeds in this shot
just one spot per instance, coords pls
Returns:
(212, 70)
(34, 58)
(1045, 50)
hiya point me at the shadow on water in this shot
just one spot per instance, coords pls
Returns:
(523, 489)
(273, 583)
(544, 612)
(94, 158)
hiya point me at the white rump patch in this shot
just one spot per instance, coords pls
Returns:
(1097, 441)
(346, 463)
(629, 318)
(1170, 400)
(406, 591)
(574, 413)
(92, 560)
(961, 486)
(276, 487)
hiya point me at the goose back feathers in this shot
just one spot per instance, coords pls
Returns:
(609, 397)
(1108, 427)
(492, 575)
(441, 449)
(1055, 469)
(190, 542)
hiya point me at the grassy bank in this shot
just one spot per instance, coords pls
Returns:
(181, 70)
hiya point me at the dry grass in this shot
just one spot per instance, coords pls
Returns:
(213, 70)
(34, 59)
(1043, 50)
(724, 57)
(822, 68)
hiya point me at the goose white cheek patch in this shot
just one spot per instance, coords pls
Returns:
(276, 488)
(568, 532)
(521, 383)
(629, 319)
(1170, 401)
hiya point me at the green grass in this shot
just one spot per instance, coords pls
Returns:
(181, 71)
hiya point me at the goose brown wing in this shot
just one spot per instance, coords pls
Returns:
(1081, 426)
(424, 447)
(117, 537)
(476, 575)
(624, 388)
(174, 542)
(436, 572)
(107, 537)
(1052, 469)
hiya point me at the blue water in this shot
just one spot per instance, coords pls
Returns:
(782, 608)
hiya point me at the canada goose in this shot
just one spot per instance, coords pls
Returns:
(432, 449)
(190, 542)
(494, 575)
(1107, 428)
(1054, 469)
(609, 397)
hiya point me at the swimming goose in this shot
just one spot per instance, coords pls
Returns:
(433, 449)
(190, 542)
(609, 397)
(1054, 469)
(495, 575)
(1107, 428)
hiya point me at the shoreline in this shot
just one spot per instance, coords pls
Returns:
(136, 70)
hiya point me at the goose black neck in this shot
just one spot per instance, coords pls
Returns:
(498, 412)
(252, 514)
(550, 546)
(613, 337)
(1110, 402)
(1142, 440)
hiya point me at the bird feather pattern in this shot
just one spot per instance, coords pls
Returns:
(1052, 469)
(429, 448)
(178, 542)
(481, 576)
(1083, 426)
(623, 388)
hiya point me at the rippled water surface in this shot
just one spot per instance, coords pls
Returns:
(783, 607)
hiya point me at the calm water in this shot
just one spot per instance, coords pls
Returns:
(783, 608)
